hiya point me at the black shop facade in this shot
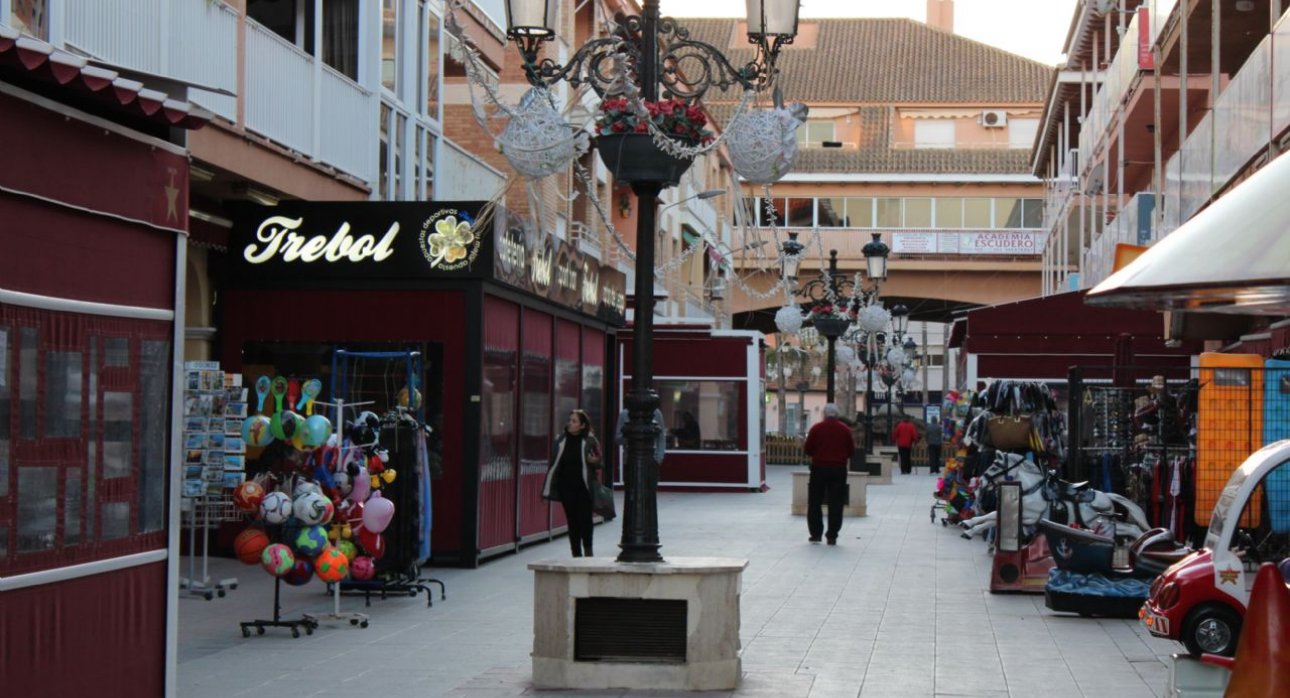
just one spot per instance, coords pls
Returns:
(510, 328)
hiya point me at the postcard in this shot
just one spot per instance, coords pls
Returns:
(232, 426)
(192, 380)
(234, 444)
(233, 479)
(212, 474)
(193, 488)
(195, 439)
(235, 409)
(234, 462)
(194, 423)
(214, 458)
(194, 455)
(215, 439)
(192, 472)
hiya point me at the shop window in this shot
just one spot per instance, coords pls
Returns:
(154, 382)
(1032, 215)
(116, 352)
(859, 212)
(949, 213)
(118, 412)
(701, 415)
(4, 543)
(831, 213)
(37, 508)
(976, 213)
(593, 380)
(918, 213)
(115, 520)
(390, 45)
(27, 383)
(771, 210)
(568, 394)
(1007, 213)
(72, 504)
(5, 414)
(63, 394)
(430, 57)
(30, 17)
(92, 428)
(890, 213)
(497, 433)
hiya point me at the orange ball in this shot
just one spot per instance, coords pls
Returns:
(249, 544)
(248, 496)
(331, 565)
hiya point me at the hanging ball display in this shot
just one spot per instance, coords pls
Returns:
(277, 559)
(310, 540)
(257, 430)
(348, 549)
(362, 568)
(289, 424)
(896, 356)
(788, 319)
(538, 140)
(331, 565)
(248, 495)
(300, 573)
(317, 429)
(873, 318)
(372, 543)
(304, 487)
(249, 544)
(275, 508)
(763, 143)
(313, 508)
(844, 355)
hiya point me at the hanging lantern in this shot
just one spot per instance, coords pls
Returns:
(788, 319)
(873, 318)
(844, 354)
(538, 141)
(763, 143)
(896, 357)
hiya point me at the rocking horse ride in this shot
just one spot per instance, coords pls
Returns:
(1044, 496)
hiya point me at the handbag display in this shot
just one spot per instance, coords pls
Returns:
(1010, 432)
(602, 500)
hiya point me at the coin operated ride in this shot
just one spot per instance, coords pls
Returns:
(1201, 600)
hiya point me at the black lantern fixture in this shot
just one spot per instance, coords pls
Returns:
(645, 50)
(875, 256)
(791, 251)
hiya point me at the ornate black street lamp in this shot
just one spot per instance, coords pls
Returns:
(643, 54)
(837, 292)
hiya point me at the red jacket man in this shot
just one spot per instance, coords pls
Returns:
(829, 444)
(905, 435)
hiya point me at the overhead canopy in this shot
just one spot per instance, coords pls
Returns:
(1233, 257)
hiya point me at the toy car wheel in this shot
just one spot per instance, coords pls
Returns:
(1213, 630)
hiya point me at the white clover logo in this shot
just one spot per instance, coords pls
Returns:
(452, 245)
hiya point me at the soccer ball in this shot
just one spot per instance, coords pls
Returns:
(331, 565)
(248, 496)
(277, 559)
(313, 508)
(311, 540)
(275, 507)
(300, 573)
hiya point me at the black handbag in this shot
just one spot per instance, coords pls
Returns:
(602, 500)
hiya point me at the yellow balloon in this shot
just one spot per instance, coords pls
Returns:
(376, 482)
(389, 475)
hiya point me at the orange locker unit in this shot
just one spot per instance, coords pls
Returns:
(1230, 423)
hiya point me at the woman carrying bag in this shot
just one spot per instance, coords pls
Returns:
(572, 477)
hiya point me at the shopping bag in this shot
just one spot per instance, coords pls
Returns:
(602, 500)
(1010, 432)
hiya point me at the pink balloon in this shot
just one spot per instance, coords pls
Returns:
(362, 486)
(377, 513)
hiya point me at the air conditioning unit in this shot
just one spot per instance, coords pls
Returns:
(994, 119)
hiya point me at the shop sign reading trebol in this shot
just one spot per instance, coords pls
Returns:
(302, 240)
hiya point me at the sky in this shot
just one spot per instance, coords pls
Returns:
(1035, 29)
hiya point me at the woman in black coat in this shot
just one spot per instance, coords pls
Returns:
(575, 465)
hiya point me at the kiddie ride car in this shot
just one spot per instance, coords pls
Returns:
(1201, 600)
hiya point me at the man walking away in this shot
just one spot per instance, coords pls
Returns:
(830, 447)
(904, 436)
(933, 438)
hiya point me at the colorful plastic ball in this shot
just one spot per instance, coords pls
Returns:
(331, 565)
(317, 429)
(249, 544)
(372, 543)
(300, 573)
(312, 508)
(310, 540)
(275, 508)
(277, 559)
(362, 567)
(284, 425)
(348, 548)
(248, 495)
(257, 430)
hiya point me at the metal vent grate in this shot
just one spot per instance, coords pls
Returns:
(629, 630)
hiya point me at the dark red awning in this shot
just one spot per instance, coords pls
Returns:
(42, 60)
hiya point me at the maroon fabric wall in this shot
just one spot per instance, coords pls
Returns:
(102, 636)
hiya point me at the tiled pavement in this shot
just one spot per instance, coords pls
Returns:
(899, 607)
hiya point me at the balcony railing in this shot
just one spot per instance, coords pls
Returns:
(1119, 78)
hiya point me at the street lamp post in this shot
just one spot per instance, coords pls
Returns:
(636, 40)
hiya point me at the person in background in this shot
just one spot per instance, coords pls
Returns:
(568, 480)
(660, 442)
(904, 436)
(933, 438)
(830, 446)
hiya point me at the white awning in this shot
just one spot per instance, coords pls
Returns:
(1233, 257)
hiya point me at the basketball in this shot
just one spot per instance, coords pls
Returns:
(249, 544)
(331, 565)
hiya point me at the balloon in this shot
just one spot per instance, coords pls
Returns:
(362, 486)
(377, 513)
(257, 430)
(288, 423)
(317, 430)
(372, 543)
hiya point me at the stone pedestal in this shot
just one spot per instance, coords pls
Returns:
(708, 586)
(856, 482)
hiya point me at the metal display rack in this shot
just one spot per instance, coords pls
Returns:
(206, 512)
